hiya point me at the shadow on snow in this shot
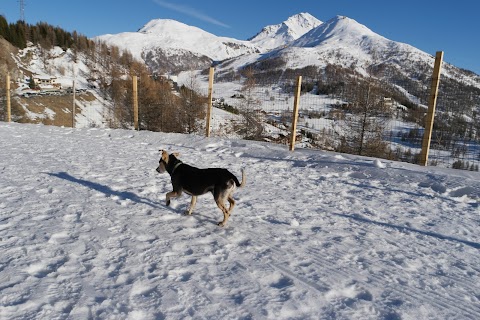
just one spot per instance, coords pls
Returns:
(106, 189)
(356, 217)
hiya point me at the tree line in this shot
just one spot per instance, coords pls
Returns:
(20, 34)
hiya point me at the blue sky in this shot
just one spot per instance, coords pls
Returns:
(453, 27)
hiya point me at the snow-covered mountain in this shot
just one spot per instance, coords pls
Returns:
(171, 46)
(168, 45)
(352, 43)
(344, 42)
(278, 35)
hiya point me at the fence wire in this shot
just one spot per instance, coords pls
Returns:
(360, 117)
(371, 124)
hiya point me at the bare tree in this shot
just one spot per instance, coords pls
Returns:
(365, 123)
(192, 106)
(252, 125)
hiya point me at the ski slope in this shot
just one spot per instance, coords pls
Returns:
(85, 233)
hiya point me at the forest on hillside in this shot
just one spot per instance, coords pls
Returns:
(112, 69)
(19, 34)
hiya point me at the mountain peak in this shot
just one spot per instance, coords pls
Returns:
(304, 19)
(161, 39)
(294, 27)
(158, 26)
(339, 29)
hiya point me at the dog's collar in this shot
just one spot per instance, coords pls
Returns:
(173, 164)
(176, 166)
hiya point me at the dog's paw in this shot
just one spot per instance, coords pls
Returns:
(168, 203)
(187, 213)
(221, 224)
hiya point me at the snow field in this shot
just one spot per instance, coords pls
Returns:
(85, 233)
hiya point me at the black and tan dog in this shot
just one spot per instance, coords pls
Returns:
(195, 182)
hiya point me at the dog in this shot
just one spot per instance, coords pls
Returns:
(195, 182)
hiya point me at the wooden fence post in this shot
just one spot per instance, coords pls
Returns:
(9, 107)
(73, 106)
(296, 102)
(432, 103)
(135, 103)
(209, 107)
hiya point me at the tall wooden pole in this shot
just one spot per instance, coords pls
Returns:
(9, 107)
(210, 97)
(135, 103)
(73, 104)
(296, 102)
(432, 103)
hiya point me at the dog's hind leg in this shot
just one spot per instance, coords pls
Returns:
(232, 204)
(192, 205)
(226, 214)
(220, 201)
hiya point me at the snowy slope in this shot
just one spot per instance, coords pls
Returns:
(278, 35)
(31, 61)
(85, 233)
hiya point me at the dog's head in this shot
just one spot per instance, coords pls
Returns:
(165, 159)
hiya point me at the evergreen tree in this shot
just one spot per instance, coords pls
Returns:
(3, 27)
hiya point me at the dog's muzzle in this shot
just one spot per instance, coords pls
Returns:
(161, 167)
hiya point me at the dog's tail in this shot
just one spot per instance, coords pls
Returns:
(241, 184)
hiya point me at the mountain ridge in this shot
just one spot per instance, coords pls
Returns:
(294, 27)
(311, 42)
(166, 37)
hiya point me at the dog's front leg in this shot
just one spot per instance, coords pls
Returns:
(172, 194)
(192, 205)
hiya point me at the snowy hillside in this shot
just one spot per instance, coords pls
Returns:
(314, 235)
(278, 35)
(58, 64)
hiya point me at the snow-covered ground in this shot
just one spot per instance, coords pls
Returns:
(85, 233)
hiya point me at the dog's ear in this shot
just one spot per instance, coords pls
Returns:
(164, 156)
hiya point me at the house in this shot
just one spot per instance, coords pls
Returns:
(42, 81)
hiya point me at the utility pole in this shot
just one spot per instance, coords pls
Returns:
(22, 10)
